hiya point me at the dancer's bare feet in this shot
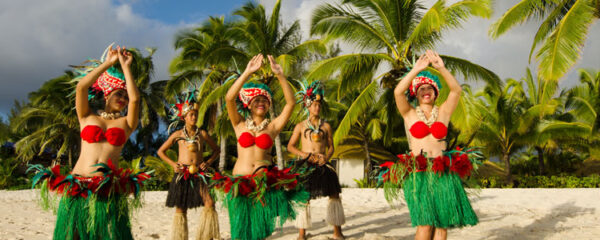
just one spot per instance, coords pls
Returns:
(337, 233)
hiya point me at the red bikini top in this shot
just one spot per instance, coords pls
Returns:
(263, 141)
(114, 136)
(421, 130)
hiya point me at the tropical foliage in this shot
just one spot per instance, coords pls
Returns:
(562, 33)
(530, 125)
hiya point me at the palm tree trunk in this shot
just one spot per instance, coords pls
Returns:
(278, 148)
(70, 159)
(223, 140)
(541, 166)
(506, 159)
(368, 157)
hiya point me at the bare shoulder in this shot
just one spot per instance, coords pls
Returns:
(299, 126)
(203, 133)
(326, 126)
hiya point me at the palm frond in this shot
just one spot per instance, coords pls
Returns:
(562, 49)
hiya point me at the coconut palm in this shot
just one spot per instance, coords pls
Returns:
(562, 33)
(542, 120)
(583, 103)
(207, 60)
(152, 110)
(49, 121)
(500, 133)
(258, 33)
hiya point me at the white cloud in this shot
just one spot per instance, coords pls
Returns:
(41, 38)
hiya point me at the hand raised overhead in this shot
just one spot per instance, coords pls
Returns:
(421, 63)
(435, 59)
(125, 57)
(276, 68)
(254, 64)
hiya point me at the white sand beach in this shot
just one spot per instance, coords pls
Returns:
(504, 214)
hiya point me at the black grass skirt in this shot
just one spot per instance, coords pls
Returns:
(185, 193)
(322, 181)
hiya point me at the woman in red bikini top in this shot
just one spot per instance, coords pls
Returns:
(426, 123)
(252, 127)
(104, 133)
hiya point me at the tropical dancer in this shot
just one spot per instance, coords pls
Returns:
(430, 174)
(316, 139)
(189, 187)
(258, 193)
(94, 203)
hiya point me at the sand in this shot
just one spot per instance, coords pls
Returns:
(504, 214)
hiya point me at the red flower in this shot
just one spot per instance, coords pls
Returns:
(218, 176)
(438, 165)
(293, 184)
(309, 92)
(387, 164)
(244, 188)
(421, 162)
(461, 165)
(446, 161)
(227, 185)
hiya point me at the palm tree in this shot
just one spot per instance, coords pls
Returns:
(208, 59)
(583, 103)
(49, 121)
(152, 110)
(562, 33)
(500, 133)
(542, 118)
(258, 33)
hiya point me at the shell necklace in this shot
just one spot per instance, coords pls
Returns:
(109, 116)
(432, 118)
(252, 127)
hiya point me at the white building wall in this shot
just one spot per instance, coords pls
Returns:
(350, 169)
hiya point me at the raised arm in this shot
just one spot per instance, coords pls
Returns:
(133, 109)
(401, 101)
(253, 65)
(82, 106)
(216, 150)
(294, 142)
(163, 149)
(290, 101)
(447, 108)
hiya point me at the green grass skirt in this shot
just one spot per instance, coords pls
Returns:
(93, 218)
(437, 200)
(252, 220)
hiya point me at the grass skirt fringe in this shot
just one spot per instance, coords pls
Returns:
(93, 218)
(253, 220)
(255, 201)
(322, 181)
(90, 208)
(438, 201)
(184, 193)
(433, 188)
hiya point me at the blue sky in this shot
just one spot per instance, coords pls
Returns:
(174, 12)
(41, 38)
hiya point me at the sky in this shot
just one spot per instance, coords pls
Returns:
(41, 38)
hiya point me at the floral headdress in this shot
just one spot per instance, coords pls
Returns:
(424, 77)
(314, 92)
(248, 93)
(110, 80)
(184, 103)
